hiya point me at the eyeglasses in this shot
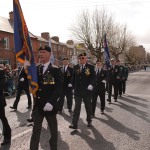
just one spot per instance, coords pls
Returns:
(81, 58)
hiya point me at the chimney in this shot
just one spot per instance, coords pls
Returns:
(70, 42)
(55, 38)
(11, 15)
(45, 35)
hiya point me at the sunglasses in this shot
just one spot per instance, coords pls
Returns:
(81, 58)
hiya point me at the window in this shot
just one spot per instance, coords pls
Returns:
(6, 39)
(4, 61)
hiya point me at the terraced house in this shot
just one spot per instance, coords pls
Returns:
(7, 52)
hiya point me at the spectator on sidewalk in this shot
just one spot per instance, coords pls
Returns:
(6, 126)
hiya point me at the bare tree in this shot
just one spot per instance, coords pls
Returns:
(90, 28)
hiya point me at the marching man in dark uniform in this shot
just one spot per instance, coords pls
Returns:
(45, 102)
(99, 88)
(120, 77)
(23, 85)
(6, 127)
(83, 83)
(67, 73)
(124, 78)
(113, 80)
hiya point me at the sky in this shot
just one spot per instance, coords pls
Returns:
(57, 16)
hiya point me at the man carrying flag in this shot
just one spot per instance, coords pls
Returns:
(23, 48)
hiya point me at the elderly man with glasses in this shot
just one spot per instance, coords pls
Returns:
(83, 82)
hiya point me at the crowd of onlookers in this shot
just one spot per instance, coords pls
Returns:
(11, 80)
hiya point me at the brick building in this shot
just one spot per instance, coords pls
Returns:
(7, 52)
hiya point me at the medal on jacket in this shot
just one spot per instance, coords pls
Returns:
(48, 79)
(87, 71)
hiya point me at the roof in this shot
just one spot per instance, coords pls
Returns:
(7, 25)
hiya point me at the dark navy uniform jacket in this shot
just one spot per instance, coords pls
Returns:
(82, 79)
(99, 78)
(2, 85)
(25, 82)
(50, 86)
(67, 76)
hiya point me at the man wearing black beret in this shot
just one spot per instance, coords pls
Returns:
(83, 83)
(67, 73)
(45, 102)
(99, 88)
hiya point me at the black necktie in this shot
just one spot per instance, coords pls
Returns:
(82, 68)
(42, 66)
(98, 71)
(64, 69)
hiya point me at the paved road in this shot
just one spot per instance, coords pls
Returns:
(125, 125)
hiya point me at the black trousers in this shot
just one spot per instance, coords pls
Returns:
(124, 86)
(77, 109)
(69, 96)
(52, 124)
(120, 85)
(101, 93)
(6, 126)
(19, 92)
(115, 84)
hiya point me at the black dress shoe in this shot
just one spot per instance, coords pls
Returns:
(89, 124)
(28, 107)
(6, 141)
(12, 107)
(73, 127)
(30, 120)
(115, 100)
(102, 112)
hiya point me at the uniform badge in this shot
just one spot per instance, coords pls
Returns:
(87, 72)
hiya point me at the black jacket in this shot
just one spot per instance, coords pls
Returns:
(99, 77)
(50, 86)
(67, 76)
(25, 82)
(81, 80)
(2, 85)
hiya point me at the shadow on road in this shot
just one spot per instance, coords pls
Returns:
(135, 101)
(139, 113)
(6, 147)
(22, 117)
(96, 143)
(120, 127)
(136, 98)
(44, 140)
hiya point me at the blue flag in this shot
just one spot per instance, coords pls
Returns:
(23, 48)
(106, 52)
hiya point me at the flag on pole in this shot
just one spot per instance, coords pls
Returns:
(52, 59)
(106, 52)
(23, 48)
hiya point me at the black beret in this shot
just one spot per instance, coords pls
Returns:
(98, 61)
(45, 47)
(65, 58)
(82, 54)
(117, 60)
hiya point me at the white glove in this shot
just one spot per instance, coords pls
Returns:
(69, 85)
(90, 87)
(22, 79)
(26, 63)
(104, 81)
(73, 91)
(48, 107)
